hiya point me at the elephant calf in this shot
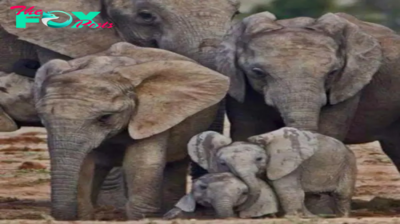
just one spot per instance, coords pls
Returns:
(295, 162)
(302, 162)
(223, 192)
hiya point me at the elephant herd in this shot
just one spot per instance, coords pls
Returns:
(128, 109)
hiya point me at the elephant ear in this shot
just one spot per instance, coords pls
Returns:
(72, 42)
(51, 68)
(202, 148)
(143, 54)
(266, 204)
(169, 92)
(229, 49)
(187, 203)
(286, 149)
(363, 55)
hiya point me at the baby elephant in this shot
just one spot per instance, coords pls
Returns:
(224, 192)
(295, 162)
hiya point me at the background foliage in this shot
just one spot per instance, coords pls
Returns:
(385, 12)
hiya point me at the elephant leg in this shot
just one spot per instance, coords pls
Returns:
(110, 188)
(320, 204)
(251, 118)
(85, 183)
(175, 183)
(343, 195)
(390, 143)
(144, 164)
(218, 123)
(291, 195)
(335, 121)
(100, 175)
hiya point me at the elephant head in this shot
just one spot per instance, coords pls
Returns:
(286, 149)
(85, 101)
(299, 65)
(17, 106)
(215, 153)
(223, 192)
(190, 28)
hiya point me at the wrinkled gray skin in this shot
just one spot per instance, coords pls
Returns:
(294, 161)
(224, 192)
(130, 106)
(191, 28)
(17, 109)
(300, 162)
(335, 75)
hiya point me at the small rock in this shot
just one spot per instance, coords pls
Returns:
(31, 166)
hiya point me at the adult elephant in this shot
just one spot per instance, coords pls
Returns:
(190, 28)
(130, 106)
(336, 75)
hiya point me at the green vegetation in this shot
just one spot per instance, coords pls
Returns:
(385, 12)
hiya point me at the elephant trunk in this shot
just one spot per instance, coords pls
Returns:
(254, 190)
(224, 208)
(67, 156)
(300, 104)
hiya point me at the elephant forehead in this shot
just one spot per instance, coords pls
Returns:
(213, 177)
(242, 149)
(200, 8)
(86, 82)
(286, 42)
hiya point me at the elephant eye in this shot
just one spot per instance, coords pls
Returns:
(104, 118)
(259, 159)
(222, 163)
(146, 16)
(203, 187)
(333, 72)
(259, 73)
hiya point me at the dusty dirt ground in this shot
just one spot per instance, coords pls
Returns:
(25, 184)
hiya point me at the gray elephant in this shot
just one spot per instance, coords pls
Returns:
(295, 162)
(17, 109)
(223, 192)
(130, 106)
(302, 162)
(191, 28)
(336, 75)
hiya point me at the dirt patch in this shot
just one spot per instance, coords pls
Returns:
(25, 193)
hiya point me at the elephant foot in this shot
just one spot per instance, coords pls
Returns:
(86, 216)
(145, 212)
(64, 215)
(86, 210)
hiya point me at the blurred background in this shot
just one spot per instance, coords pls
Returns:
(385, 12)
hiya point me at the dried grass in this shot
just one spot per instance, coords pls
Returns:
(22, 139)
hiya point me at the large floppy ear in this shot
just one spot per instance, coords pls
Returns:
(143, 54)
(266, 204)
(72, 42)
(362, 51)
(169, 92)
(203, 147)
(51, 68)
(286, 149)
(229, 49)
(187, 203)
